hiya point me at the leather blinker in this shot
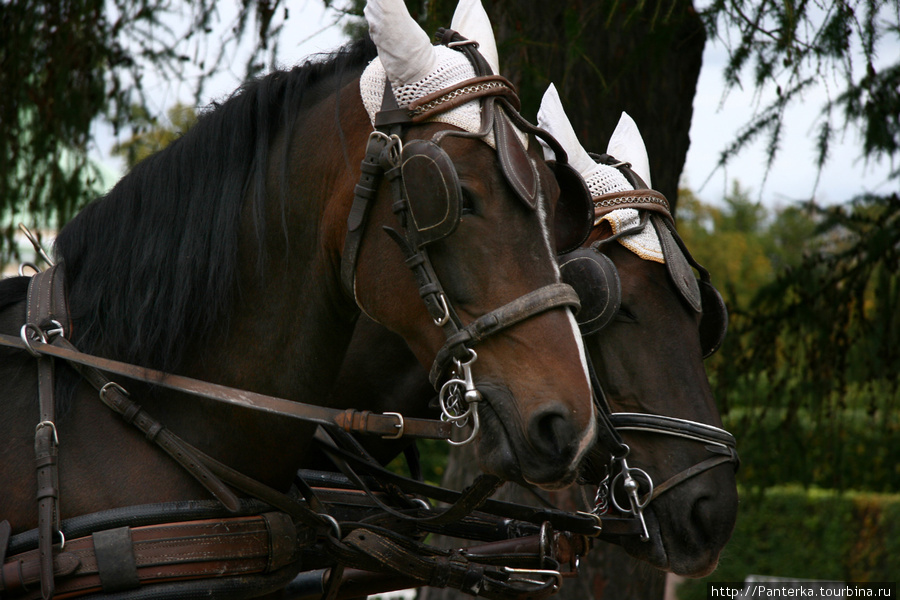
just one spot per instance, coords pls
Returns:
(573, 217)
(431, 186)
(678, 266)
(700, 294)
(596, 281)
(515, 163)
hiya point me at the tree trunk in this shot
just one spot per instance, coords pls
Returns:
(605, 57)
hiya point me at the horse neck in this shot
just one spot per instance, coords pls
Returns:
(292, 322)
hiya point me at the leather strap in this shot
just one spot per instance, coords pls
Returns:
(374, 423)
(487, 573)
(445, 99)
(554, 295)
(45, 300)
(127, 557)
(726, 455)
(641, 199)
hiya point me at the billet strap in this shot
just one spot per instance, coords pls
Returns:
(45, 312)
(125, 558)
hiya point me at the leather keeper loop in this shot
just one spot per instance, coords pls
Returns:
(131, 412)
(415, 260)
(116, 565)
(46, 461)
(429, 289)
(154, 430)
(47, 492)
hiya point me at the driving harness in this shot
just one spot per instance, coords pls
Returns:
(596, 280)
(428, 202)
(343, 528)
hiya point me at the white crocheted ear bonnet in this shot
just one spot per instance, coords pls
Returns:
(625, 144)
(416, 68)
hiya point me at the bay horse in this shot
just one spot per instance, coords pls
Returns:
(646, 343)
(220, 258)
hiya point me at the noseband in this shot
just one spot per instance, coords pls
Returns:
(427, 202)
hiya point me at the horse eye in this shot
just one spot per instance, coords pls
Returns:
(625, 316)
(468, 204)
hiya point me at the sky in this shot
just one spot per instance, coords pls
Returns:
(716, 120)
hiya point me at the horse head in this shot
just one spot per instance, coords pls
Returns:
(648, 326)
(461, 218)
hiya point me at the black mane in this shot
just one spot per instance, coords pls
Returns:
(152, 264)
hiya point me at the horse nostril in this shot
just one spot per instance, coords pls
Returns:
(552, 433)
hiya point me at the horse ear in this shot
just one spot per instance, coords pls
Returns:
(403, 47)
(627, 144)
(472, 22)
(553, 119)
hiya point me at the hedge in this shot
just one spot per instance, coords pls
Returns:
(809, 534)
(855, 451)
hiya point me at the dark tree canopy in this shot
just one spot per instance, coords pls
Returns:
(65, 65)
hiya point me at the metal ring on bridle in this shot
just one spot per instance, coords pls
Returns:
(450, 387)
(627, 476)
(461, 392)
(39, 334)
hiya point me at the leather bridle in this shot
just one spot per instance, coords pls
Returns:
(622, 479)
(386, 158)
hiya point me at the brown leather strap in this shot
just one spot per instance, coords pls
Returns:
(487, 571)
(728, 455)
(554, 295)
(42, 299)
(374, 423)
(450, 97)
(642, 199)
(126, 558)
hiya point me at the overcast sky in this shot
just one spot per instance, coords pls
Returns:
(715, 122)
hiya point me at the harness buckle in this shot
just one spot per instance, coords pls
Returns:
(526, 576)
(52, 426)
(598, 521)
(445, 316)
(400, 427)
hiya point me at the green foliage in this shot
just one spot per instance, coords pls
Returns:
(789, 46)
(808, 376)
(852, 450)
(809, 534)
(66, 64)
